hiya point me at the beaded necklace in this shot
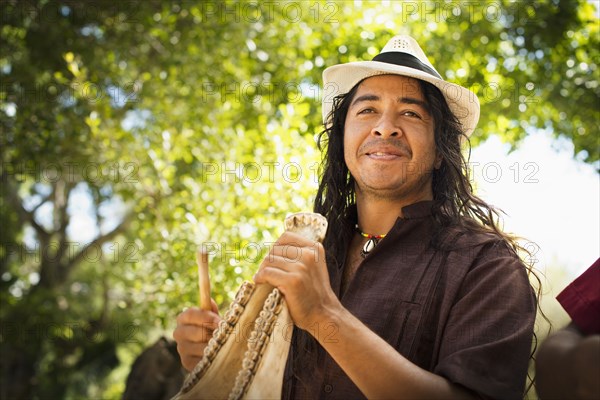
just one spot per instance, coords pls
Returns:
(370, 244)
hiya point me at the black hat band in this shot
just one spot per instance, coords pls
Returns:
(405, 60)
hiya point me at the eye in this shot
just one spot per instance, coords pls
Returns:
(411, 114)
(367, 110)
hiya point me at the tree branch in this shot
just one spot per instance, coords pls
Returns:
(99, 241)
(24, 215)
(60, 207)
(41, 203)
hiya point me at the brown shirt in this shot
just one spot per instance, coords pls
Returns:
(464, 311)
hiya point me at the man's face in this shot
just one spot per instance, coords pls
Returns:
(389, 144)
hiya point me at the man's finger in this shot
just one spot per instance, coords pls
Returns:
(280, 263)
(196, 316)
(273, 275)
(191, 349)
(192, 333)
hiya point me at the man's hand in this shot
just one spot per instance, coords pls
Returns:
(297, 267)
(194, 330)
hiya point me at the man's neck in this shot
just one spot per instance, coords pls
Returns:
(377, 216)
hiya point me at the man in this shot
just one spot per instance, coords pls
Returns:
(415, 292)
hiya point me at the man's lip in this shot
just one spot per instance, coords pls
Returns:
(382, 149)
(385, 151)
(385, 157)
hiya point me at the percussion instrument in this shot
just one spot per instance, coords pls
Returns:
(246, 356)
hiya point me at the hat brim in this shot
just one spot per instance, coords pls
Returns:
(341, 78)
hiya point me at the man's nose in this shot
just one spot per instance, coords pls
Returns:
(386, 126)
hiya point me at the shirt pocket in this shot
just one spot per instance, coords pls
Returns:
(403, 327)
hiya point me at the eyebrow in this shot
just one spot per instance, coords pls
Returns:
(406, 100)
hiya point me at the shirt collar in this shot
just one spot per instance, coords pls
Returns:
(421, 209)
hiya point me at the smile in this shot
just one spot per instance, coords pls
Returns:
(379, 155)
(385, 150)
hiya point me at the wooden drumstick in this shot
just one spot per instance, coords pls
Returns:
(203, 280)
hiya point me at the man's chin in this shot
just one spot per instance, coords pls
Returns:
(397, 190)
(381, 189)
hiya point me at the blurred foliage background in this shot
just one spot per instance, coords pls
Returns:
(133, 132)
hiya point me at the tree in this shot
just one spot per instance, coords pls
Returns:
(132, 132)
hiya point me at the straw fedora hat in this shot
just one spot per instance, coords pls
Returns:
(402, 55)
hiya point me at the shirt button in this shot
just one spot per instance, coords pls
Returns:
(328, 388)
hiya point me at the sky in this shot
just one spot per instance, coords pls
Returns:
(549, 198)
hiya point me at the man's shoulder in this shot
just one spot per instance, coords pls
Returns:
(467, 235)
(475, 242)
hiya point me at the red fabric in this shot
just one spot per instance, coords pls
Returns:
(581, 300)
